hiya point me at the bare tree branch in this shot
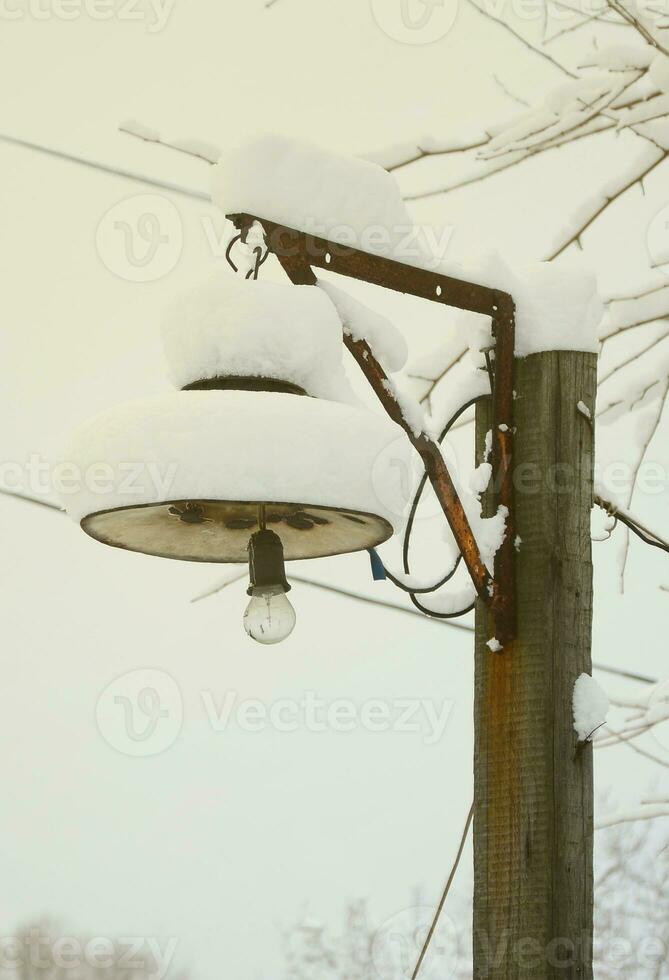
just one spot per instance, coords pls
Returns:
(593, 128)
(601, 17)
(659, 543)
(619, 8)
(509, 94)
(628, 743)
(433, 382)
(646, 811)
(420, 153)
(598, 106)
(131, 128)
(519, 37)
(632, 326)
(633, 357)
(642, 295)
(609, 199)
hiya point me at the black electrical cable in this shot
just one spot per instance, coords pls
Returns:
(423, 480)
(439, 615)
(428, 588)
(444, 896)
(409, 527)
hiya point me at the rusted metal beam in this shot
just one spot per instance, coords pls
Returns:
(503, 604)
(435, 467)
(376, 269)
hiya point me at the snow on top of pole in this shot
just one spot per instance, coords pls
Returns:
(343, 199)
(557, 303)
(557, 307)
(233, 326)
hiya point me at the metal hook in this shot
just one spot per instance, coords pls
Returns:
(231, 245)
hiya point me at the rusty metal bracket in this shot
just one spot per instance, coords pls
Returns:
(298, 253)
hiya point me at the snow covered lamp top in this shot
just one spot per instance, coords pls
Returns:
(242, 464)
(237, 330)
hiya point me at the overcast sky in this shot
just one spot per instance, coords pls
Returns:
(226, 835)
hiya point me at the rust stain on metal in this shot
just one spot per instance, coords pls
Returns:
(504, 593)
(295, 246)
(435, 467)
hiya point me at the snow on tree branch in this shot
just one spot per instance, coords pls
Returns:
(647, 810)
(519, 37)
(591, 211)
(637, 24)
(193, 148)
(643, 714)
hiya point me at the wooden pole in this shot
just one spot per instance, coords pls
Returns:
(533, 888)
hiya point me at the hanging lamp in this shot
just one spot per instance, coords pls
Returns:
(264, 455)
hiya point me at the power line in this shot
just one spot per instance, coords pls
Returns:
(165, 185)
(338, 590)
(442, 901)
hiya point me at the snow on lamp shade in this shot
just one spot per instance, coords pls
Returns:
(194, 474)
(188, 471)
(232, 327)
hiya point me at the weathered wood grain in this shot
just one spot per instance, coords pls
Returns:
(533, 887)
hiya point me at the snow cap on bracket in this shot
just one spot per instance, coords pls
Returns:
(343, 199)
(558, 307)
(557, 303)
(233, 326)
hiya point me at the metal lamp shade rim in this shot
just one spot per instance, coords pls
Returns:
(312, 462)
(106, 526)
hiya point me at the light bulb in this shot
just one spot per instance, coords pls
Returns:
(269, 616)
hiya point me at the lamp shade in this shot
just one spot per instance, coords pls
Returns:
(183, 475)
(194, 474)
(245, 328)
